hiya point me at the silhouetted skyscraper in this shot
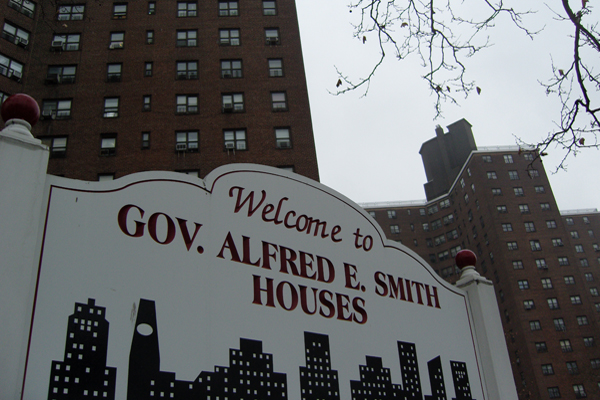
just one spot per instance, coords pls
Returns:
(84, 373)
(411, 382)
(461, 381)
(317, 379)
(436, 380)
(375, 382)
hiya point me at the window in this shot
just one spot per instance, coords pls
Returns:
(148, 66)
(553, 303)
(582, 320)
(584, 262)
(559, 324)
(113, 72)
(466, 198)
(229, 37)
(597, 307)
(541, 347)
(57, 146)
(151, 8)
(492, 175)
(56, 109)
(231, 68)
(535, 245)
(422, 211)
(23, 6)
(557, 242)
(586, 220)
(546, 283)
(487, 159)
(563, 261)
(108, 145)
(588, 276)
(228, 9)
(502, 209)
(596, 247)
(569, 280)
(519, 191)
(111, 107)
(524, 208)
(454, 250)
(591, 233)
(426, 227)
(147, 103)
(275, 67)
(65, 42)
(269, 8)
(279, 101)
(3, 96)
(518, 264)
(588, 341)
(579, 391)
(569, 221)
(145, 140)
(443, 255)
(572, 367)
(272, 36)
(535, 325)
(15, 35)
(394, 229)
(187, 38)
(508, 159)
(186, 9)
(373, 214)
(186, 141)
(437, 224)
(594, 292)
(391, 214)
(595, 363)
(233, 102)
(523, 284)
(578, 248)
(512, 246)
(187, 104)
(529, 227)
(539, 189)
(283, 138)
(545, 206)
(187, 69)
(462, 182)
(533, 173)
(541, 263)
(149, 37)
(119, 10)
(445, 203)
(547, 369)
(496, 192)
(117, 40)
(235, 139)
(553, 392)
(61, 74)
(513, 175)
(565, 346)
(448, 219)
(528, 304)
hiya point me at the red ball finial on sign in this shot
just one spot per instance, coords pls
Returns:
(465, 258)
(21, 106)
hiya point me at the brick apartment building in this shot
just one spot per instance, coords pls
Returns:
(161, 85)
(545, 264)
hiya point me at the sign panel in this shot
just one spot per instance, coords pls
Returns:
(255, 283)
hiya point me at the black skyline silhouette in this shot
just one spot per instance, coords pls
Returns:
(249, 375)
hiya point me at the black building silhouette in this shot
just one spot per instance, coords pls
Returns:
(436, 380)
(410, 371)
(83, 372)
(146, 380)
(461, 380)
(375, 382)
(249, 376)
(317, 379)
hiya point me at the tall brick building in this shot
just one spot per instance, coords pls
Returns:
(161, 85)
(545, 264)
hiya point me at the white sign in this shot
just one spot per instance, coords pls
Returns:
(255, 283)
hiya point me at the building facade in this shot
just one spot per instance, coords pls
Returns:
(179, 86)
(545, 264)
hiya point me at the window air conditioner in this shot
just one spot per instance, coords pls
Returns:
(192, 146)
(22, 42)
(182, 75)
(53, 78)
(226, 74)
(272, 40)
(230, 145)
(48, 114)
(118, 45)
(16, 76)
(106, 152)
(228, 107)
(276, 73)
(57, 45)
(181, 147)
(285, 144)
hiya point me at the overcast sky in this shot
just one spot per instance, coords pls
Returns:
(368, 148)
